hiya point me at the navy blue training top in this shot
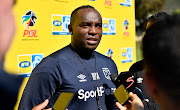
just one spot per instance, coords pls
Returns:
(62, 71)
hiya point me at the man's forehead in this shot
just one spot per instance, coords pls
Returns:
(89, 14)
(87, 11)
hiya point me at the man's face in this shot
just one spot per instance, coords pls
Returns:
(7, 25)
(86, 29)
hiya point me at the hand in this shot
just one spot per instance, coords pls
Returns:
(135, 104)
(42, 106)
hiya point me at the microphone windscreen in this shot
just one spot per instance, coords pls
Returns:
(113, 77)
(127, 79)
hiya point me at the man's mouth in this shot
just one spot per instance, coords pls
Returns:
(92, 41)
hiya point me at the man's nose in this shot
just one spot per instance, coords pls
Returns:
(92, 30)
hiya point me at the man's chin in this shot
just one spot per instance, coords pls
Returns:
(91, 48)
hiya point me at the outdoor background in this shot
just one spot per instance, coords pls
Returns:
(146, 8)
(42, 28)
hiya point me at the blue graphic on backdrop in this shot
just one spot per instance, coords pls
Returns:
(66, 22)
(125, 2)
(112, 26)
(36, 60)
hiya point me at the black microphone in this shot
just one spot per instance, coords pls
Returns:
(127, 79)
(114, 79)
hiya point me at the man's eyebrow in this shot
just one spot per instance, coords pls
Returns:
(85, 22)
(90, 22)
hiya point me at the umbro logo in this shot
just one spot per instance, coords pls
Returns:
(82, 78)
(139, 80)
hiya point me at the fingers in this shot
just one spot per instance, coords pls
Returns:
(48, 109)
(120, 106)
(133, 96)
(42, 105)
(136, 102)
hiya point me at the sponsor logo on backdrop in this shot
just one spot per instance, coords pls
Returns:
(28, 22)
(109, 53)
(91, 0)
(126, 28)
(60, 24)
(125, 2)
(108, 3)
(126, 54)
(109, 26)
(27, 62)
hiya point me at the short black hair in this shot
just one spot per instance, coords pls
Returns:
(76, 10)
(157, 15)
(161, 52)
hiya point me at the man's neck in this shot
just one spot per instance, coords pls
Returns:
(83, 53)
(167, 103)
(170, 106)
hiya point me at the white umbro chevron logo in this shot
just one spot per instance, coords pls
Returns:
(82, 78)
(139, 80)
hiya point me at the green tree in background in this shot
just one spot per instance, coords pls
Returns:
(143, 9)
(177, 11)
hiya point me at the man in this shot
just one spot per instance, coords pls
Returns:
(9, 84)
(137, 68)
(161, 62)
(76, 68)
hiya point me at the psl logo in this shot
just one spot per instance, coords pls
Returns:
(125, 27)
(108, 2)
(125, 2)
(27, 62)
(109, 53)
(29, 20)
(60, 24)
(126, 54)
(109, 26)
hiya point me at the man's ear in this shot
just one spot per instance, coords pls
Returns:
(70, 29)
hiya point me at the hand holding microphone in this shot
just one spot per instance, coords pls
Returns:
(127, 79)
(136, 103)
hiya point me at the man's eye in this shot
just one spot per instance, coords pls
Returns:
(86, 24)
(98, 25)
